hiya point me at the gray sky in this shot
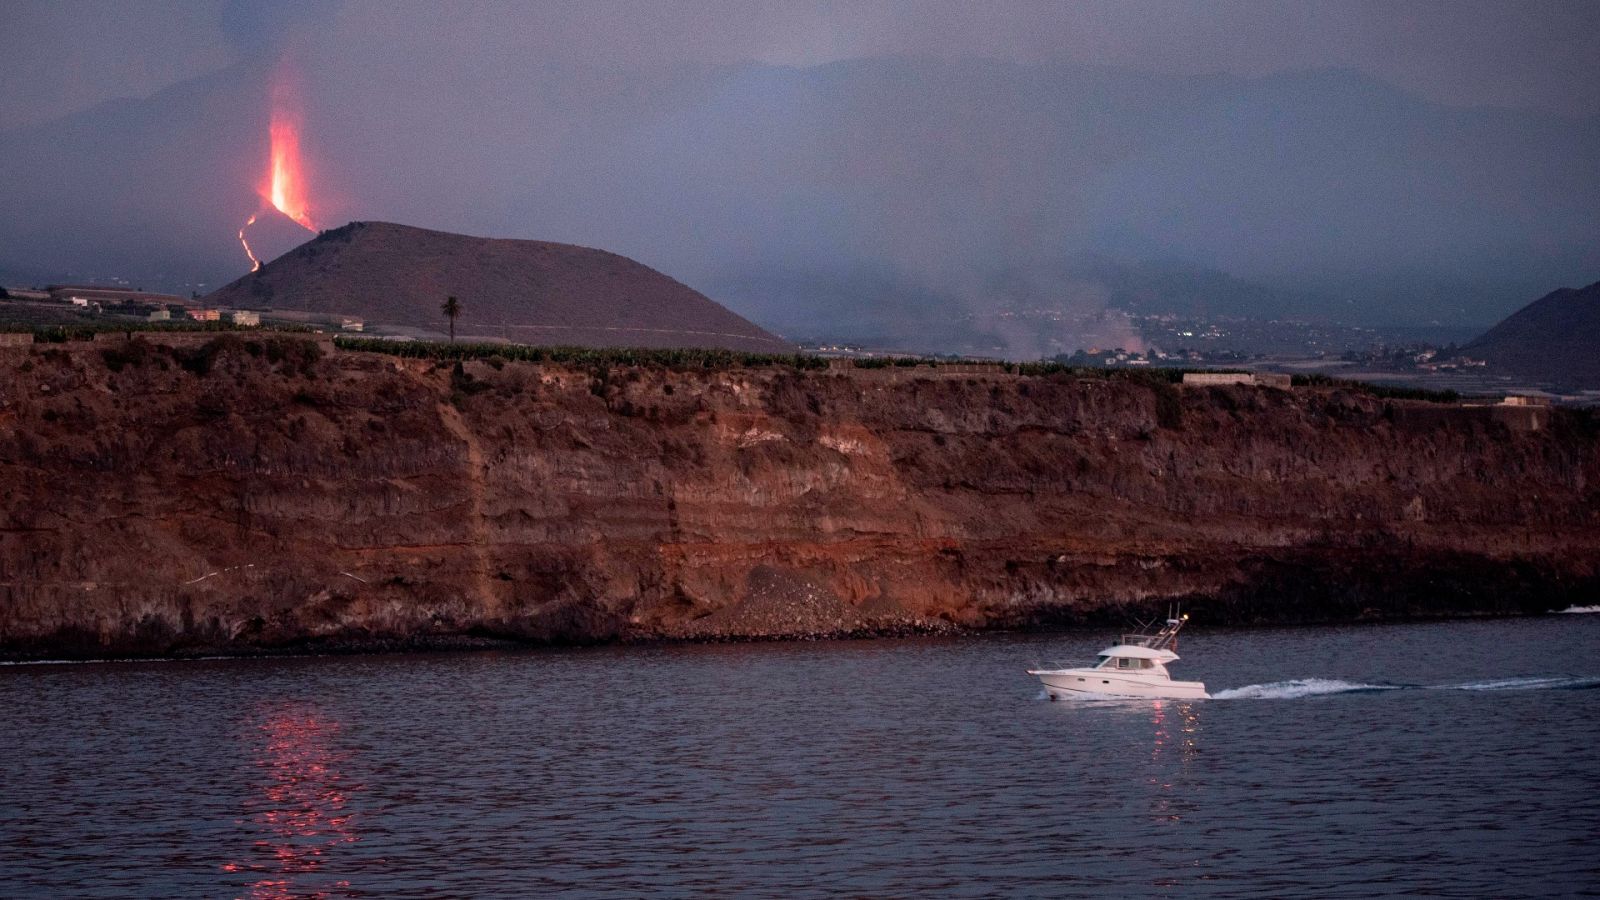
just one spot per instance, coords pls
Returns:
(66, 55)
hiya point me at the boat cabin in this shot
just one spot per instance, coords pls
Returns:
(1124, 662)
(1130, 657)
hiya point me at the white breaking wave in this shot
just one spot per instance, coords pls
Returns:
(1299, 687)
(1579, 610)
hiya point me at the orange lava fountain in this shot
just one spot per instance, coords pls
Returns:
(284, 188)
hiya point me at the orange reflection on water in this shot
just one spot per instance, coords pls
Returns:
(300, 807)
(1164, 763)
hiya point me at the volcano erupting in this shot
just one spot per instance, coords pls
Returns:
(284, 186)
(395, 276)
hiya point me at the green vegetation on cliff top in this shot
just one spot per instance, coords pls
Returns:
(698, 358)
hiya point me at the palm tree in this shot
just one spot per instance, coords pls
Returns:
(451, 309)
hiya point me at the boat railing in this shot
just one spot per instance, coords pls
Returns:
(1161, 640)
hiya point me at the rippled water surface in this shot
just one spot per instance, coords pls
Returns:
(1457, 759)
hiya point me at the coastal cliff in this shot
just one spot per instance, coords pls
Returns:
(250, 493)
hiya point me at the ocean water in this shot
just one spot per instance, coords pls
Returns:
(1453, 759)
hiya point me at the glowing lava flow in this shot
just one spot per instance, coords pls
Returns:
(254, 263)
(285, 186)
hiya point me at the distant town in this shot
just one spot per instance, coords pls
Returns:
(1422, 357)
(1395, 356)
(58, 305)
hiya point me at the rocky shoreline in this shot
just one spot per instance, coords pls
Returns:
(57, 651)
(247, 495)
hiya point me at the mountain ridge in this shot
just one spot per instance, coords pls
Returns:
(1552, 338)
(532, 292)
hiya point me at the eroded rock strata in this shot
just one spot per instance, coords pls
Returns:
(251, 494)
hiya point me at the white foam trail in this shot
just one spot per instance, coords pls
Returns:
(1523, 684)
(1299, 687)
(1579, 610)
(1313, 687)
(1504, 684)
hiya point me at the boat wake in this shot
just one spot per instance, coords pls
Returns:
(1297, 688)
(1554, 682)
(1315, 687)
(1579, 610)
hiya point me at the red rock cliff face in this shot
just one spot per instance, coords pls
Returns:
(255, 494)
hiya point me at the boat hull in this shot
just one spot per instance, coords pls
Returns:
(1098, 683)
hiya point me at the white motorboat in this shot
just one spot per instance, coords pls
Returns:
(1136, 667)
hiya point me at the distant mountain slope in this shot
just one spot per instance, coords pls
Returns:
(1556, 338)
(531, 292)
